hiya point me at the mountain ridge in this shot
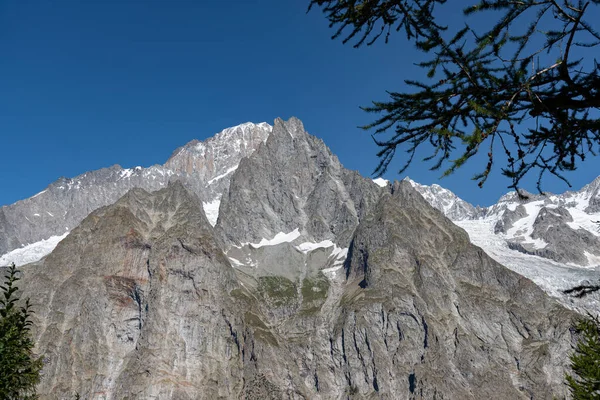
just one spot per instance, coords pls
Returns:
(354, 290)
(65, 202)
(506, 230)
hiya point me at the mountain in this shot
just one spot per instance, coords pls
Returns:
(315, 283)
(204, 167)
(562, 228)
(447, 202)
(294, 182)
(552, 239)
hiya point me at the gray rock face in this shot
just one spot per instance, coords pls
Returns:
(294, 182)
(462, 314)
(134, 304)
(208, 165)
(564, 244)
(204, 167)
(593, 191)
(140, 301)
(509, 217)
(64, 203)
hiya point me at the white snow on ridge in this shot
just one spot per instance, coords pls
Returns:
(552, 276)
(126, 173)
(279, 238)
(32, 252)
(36, 195)
(524, 226)
(381, 182)
(223, 175)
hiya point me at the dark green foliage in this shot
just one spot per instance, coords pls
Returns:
(585, 385)
(19, 369)
(522, 88)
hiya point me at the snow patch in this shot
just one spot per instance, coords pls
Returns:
(310, 246)
(32, 252)
(332, 270)
(337, 257)
(593, 260)
(212, 210)
(337, 253)
(236, 262)
(381, 182)
(524, 226)
(126, 173)
(223, 175)
(278, 239)
(583, 220)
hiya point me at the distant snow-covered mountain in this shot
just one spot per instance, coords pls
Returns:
(204, 167)
(552, 239)
(563, 228)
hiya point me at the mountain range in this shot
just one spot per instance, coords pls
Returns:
(254, 265)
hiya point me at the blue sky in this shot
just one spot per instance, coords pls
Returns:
(88, 84)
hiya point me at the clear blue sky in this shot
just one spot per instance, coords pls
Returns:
(88, 84)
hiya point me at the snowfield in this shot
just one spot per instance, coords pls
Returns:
(32, 252)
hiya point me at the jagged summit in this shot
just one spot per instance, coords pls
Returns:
(444, 200)
(208, 157)
(294, 182)
(204, 166)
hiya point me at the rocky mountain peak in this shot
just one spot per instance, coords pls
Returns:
(293, 182)
(204, 166)
(447, 202)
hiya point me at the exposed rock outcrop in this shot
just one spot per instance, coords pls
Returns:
(294, 182)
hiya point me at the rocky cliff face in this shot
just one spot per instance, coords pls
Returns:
(336, 289)
(64, 203)
(204, 167)
(135, 303)
(294, 182)
(469, 317)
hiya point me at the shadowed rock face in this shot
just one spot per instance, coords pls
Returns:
(140, 300)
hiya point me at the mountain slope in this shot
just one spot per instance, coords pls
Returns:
(294, 182)
(558, 227)
(134, 303)
(204, 167)
(141, 301)
(551, 239)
